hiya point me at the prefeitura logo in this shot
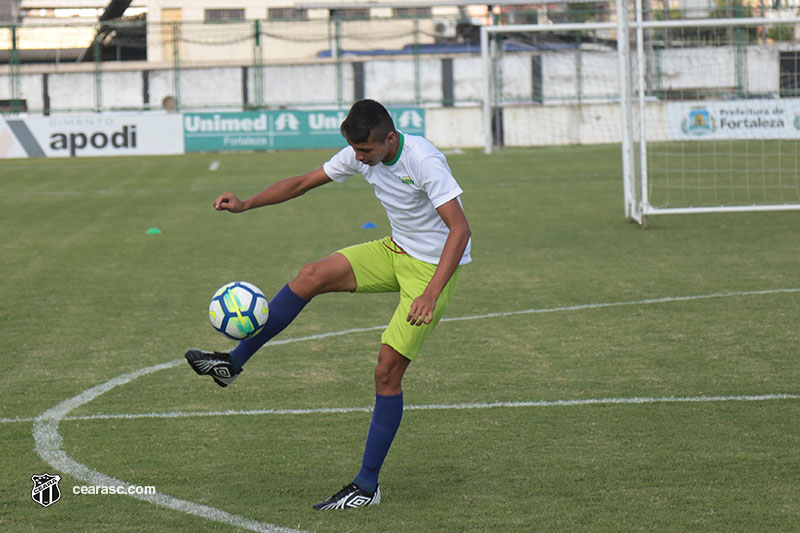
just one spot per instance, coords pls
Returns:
(699, 122)
(45, 489)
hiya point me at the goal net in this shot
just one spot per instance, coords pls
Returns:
(716, 116)
(707, 111)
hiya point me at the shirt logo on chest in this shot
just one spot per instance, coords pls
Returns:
(407, 180)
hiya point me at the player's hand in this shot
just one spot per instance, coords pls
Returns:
(228, 201)
(421, 311)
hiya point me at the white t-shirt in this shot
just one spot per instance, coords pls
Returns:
(410, 188)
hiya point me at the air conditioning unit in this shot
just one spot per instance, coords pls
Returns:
(445, 29)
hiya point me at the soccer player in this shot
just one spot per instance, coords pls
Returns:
(421, 260)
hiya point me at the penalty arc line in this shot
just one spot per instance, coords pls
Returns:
(49, 442)
(49, 446)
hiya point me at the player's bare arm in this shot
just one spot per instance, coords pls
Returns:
(278, 192)
(452, 214)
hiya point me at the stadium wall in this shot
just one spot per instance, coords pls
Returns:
(440, 80)
(548, 98)
(160, 132)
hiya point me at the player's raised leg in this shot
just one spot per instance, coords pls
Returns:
(330, 274)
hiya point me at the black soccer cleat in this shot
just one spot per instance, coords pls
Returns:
(350, 497)
(218, 365)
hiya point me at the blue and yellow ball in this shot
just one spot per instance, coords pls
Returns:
(238, 310)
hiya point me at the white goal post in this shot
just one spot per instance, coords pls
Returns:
(706, 111)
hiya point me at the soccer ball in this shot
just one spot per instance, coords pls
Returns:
(238, 310)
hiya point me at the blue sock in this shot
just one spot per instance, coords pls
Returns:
(283, 308)
(385, 421)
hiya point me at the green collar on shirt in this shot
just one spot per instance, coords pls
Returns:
(399, 151)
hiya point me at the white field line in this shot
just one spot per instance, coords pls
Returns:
(666, 299)
(423, 407)
(649, 301)
(48, 441)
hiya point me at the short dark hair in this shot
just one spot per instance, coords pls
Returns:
(367, 119)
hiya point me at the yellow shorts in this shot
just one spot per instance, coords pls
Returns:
(382, 266)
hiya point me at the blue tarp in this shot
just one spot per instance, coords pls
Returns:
(450, 48)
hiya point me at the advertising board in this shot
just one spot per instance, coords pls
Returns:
(284, 129)
(91, 135)
(735, 119)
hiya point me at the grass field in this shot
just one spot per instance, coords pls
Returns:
(641, 380)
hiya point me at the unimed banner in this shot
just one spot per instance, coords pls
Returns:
(735, 119)
(91, 135)
(283, 129)
(163, 134)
